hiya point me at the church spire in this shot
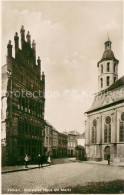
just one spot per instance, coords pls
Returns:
(107, 67)
(108, 44)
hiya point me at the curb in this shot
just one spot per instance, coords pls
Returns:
(116, 165)
(24, 169)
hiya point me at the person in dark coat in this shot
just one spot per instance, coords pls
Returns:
(39, 160)
(108, 158)
(26, 159)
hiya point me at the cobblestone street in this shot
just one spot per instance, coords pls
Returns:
(59, 177)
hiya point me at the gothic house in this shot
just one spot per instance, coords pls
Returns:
(23, 102)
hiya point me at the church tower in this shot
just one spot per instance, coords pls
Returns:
(107, 68)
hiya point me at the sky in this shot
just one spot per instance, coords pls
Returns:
(70, 38)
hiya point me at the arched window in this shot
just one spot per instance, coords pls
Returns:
(101, 82)
(101, 69)
(109, 133)
(114, 67)
(107, 130)
(107, 81)
(105, 134)
(122, 128)
(108, 67)
(94, 131)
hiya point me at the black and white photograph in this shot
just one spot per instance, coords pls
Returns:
(62, 97)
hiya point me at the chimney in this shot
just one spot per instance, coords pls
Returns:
(28, 36)
(9, 49)
(34, 49)
(22, 31)
(16, 38)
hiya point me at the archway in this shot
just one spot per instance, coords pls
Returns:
(106, 152)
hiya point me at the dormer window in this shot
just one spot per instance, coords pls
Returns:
(101, 69)
(108, 67)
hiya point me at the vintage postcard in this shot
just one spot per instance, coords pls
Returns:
(62, 97)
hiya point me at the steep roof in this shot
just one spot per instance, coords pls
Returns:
(48, 124)
(74, 132)
(108, 55)
(118, 83)
(108, 97)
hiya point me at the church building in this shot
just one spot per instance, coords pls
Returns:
(104, 127)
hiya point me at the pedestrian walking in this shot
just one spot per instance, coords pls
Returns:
(26, 161)
(108, 158)
(39, 161)
(49, 160)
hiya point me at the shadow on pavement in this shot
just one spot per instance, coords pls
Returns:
(111, 187)
(61, 161)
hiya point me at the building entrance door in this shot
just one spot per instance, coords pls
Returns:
(106, 152)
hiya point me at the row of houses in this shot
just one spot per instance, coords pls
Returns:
(59, 144)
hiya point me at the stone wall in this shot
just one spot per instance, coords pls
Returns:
(96, 150)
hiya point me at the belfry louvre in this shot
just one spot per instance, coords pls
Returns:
(23, 102)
